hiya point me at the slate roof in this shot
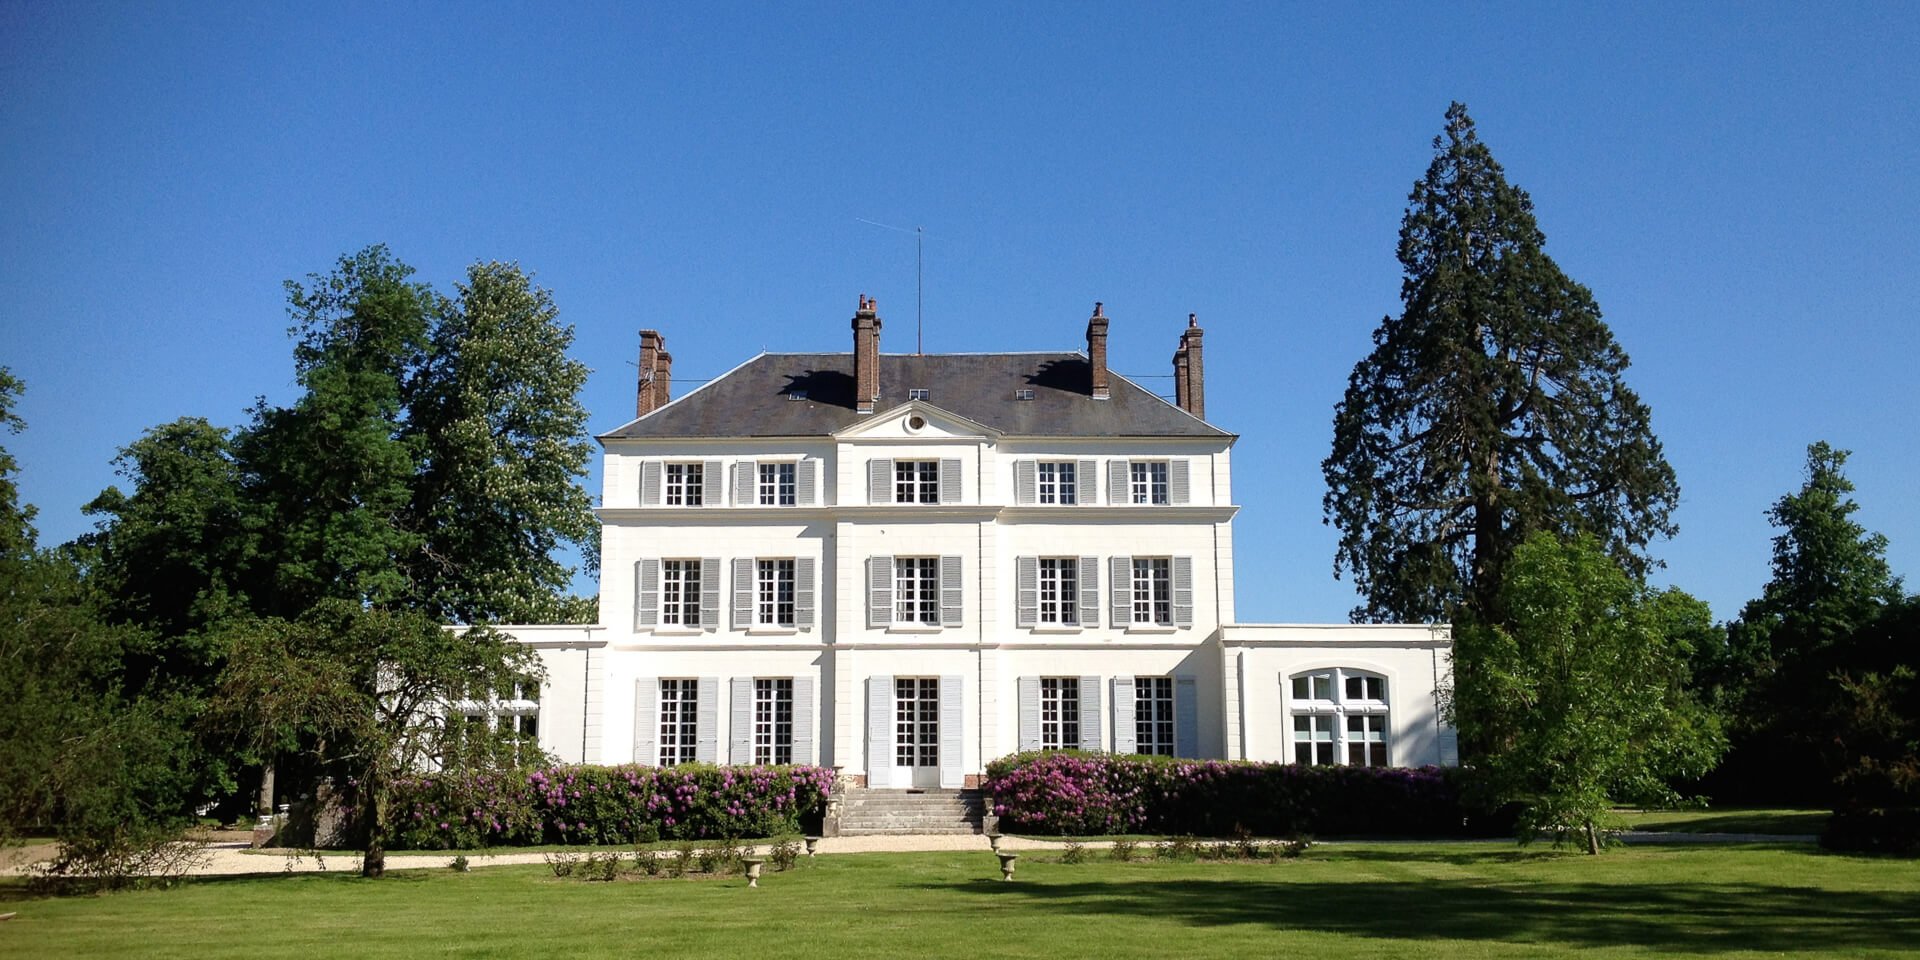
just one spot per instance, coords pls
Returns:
(752, 400)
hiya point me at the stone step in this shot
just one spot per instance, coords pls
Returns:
(942, 830)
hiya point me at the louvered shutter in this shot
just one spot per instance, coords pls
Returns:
(803, 592)
(646, 721)
(1183, 591)
(646, 593)
(742, 593)
(713, 484)
(1186, 717)
(1026, 591)
(951, 777)
(1179, 484)
(805, 477)
(802, 719)
(650, 483)
(950, 481)
(879, 591)
(746, 484)
(879, 481)
(1123, 733)
(1089, 591)
(952, 593)
(740, 728)
(706, 737)
(710, 593)
(1029, 713)
(1086, 482)
(1090, 713)
(1120, 591)
(1025, 482)
(879, 731)
(1119, 477)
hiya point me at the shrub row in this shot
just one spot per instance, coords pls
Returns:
(604, 805)
(1076, 793)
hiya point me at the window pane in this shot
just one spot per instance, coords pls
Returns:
(1300, 688)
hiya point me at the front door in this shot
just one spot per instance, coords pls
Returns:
(916, 731)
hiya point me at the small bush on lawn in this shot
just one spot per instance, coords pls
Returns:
(1122, 850)
(1075, 852)
(784, 855)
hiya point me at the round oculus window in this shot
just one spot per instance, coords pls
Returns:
(916, 422)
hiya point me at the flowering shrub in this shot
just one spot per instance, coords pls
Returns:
(1075, 793)
(604, 805)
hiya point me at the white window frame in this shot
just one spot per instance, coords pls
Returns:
(679, 730)
(774, 603)
(776, 484)
(916, 481)
(916, 591)
(1057, 482)
(1152, 583)
(1155, 731)
(772, 720)
(1148, 482)
(1326, 704)
(1059, 713)
(1059, 593)
(683, 484)
(680, 586)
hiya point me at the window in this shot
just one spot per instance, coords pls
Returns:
(1059, 713)
(1059, 591)
(916, 481)
(1153, 590)
(773, 721)
(1023, 394)
(679, 721)
(1149, 481)
(684, 484)
(773, 593)
(916, 590)
(916, 732)
(1339, 716)
(680, 593)
(1057, 482)
(916, 393)
(1153, 715)
(776, 485)
(513, 715)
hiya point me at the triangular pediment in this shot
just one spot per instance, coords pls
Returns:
(916, 420)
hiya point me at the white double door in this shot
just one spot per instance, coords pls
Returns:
(916, 732)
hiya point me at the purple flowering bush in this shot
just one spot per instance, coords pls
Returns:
(1075, 793)
(604, 805)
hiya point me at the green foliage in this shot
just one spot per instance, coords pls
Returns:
(1873, 719)
(1494, 406)
(1583, 695)
(1122, 850)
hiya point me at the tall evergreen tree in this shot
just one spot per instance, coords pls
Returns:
(1494, 406)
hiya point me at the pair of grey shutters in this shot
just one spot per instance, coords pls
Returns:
(1086, 482)
(646, 721)
(1120, 482)
(1027, 592)
(1120, 593)
(1090, 739)
(880, 487)
(1186, 716)
(880, 592)
(713, 487)
(880, 732)
(744, 581)
(646, 588)
(740, 736)
(746, 482)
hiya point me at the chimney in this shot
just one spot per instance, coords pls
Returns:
(1189, 370)
(866, 355)
(652, 392)
(1097, 353)
(663, 378)
(1180, 376)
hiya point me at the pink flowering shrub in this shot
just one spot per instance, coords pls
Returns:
(605, 805)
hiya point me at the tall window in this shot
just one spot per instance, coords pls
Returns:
(1153, 590)
(1339, 716)
(776, 485)
(1149, 481)
(1153, 715)
(1060, 590)
(1057, 482)
(1059, 713)
(680, 593)
(679, 721)
(684, 484)
(916, 481)
(773, 721)
(773, 593)
(916, 590)
(916, 731)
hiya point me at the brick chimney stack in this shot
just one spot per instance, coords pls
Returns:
(866, 355)
(656, 366)
(1180, 377)
(1097, 353)
(1189, 370)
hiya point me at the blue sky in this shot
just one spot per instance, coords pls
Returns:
(1734, 182)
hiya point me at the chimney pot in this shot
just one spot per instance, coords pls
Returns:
(1194, 398)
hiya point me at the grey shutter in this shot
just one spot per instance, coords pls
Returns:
(1119, 478)
(742, 593)
(1120, 591)
(1029, 713)
(803, 592)
(1026, 591)
(879, 591)
(1183, 591)
(646, 593)
(1186, 717)
(1449, 744)
(710, 593)
(713, 484)
(1089, 591)
(1089, 713)
(950, 734)
(746, 484)
(1179, 484)
(804, 474)
(952, 594)
(879, 731)
(879, 481)
(706, 736)
(1025, 482)
(650, 483)
(740, 730)
(646, 721)
(950, 481)
(1086, 482)
(802, 719)
(1123, 733)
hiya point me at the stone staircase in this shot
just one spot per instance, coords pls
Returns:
(866, 812)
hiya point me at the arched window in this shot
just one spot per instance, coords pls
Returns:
(1339, 716)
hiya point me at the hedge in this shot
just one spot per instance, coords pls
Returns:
(1084, 794)
(604, 805)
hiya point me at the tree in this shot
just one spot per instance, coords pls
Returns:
(1581, 696)
(1493, 407)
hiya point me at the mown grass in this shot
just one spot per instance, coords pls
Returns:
(1770, 821)
(1441, 901)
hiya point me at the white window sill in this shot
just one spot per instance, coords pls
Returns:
(772, 631)
(915, 628)
(677, 631)
(1055, 628)
(1152, 628)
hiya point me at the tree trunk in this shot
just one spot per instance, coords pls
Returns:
(265, 804)
(374, 864)
(1593, 839)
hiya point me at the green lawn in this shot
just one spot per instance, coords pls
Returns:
(1727, 820)
(1438, 900)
